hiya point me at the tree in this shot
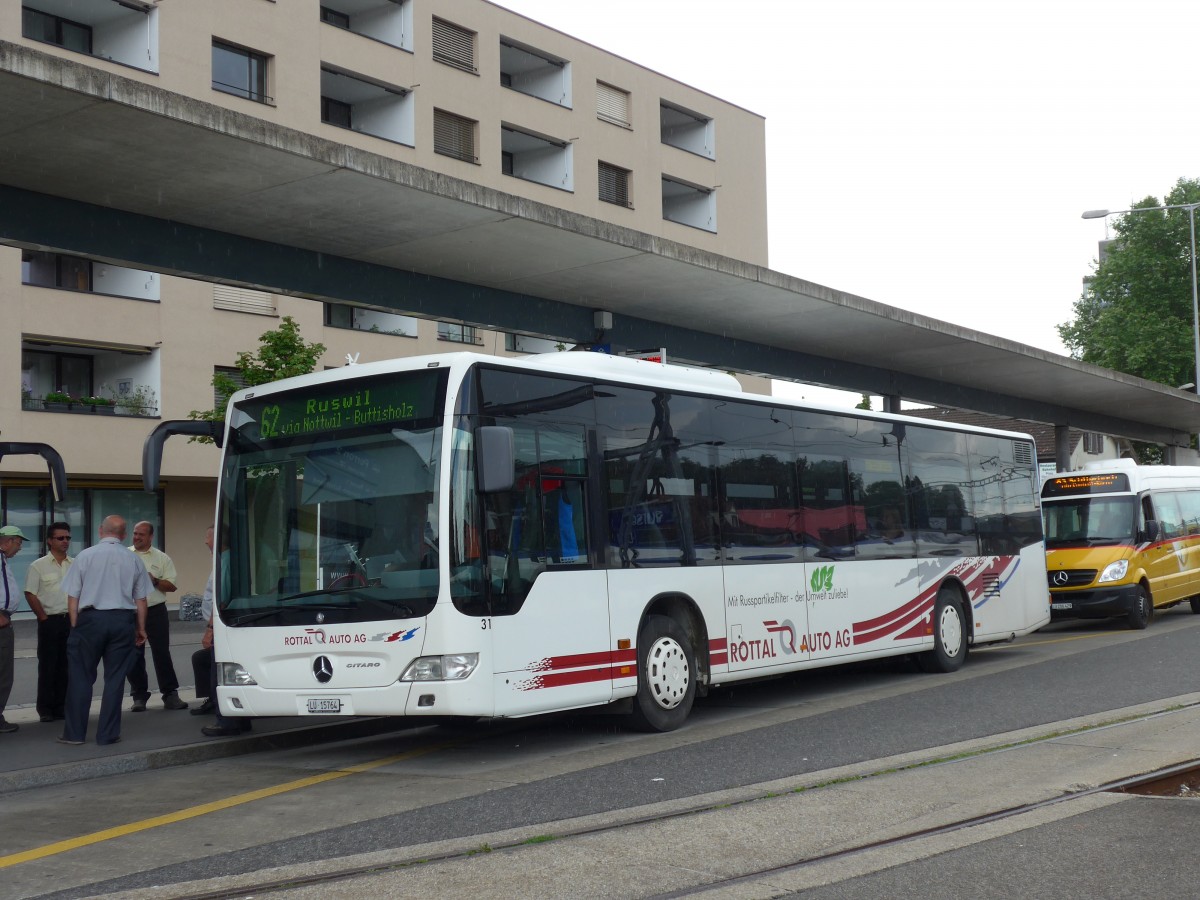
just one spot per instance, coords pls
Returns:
(282, 353)
(864, 403)
(1135, 314)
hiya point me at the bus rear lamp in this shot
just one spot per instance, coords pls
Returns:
(235, 675)
(1114, 571)
(451, 667)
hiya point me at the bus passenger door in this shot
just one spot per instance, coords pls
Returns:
(1167, 560)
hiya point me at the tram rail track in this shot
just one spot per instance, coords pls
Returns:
(277, 881)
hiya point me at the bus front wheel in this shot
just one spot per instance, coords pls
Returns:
(1141, 611)
(666, 676)
(949, 635)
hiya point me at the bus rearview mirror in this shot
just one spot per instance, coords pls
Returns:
(494, 453)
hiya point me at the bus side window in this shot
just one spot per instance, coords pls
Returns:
(565, 525)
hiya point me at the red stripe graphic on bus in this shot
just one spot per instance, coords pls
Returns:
(718, 651)
(580, 668)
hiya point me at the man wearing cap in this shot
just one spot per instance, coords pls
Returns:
(106, 590)
(11, 539)
(46, 597)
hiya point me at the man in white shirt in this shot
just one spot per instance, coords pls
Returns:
(11, 540)
(46, 597)
(158, 625)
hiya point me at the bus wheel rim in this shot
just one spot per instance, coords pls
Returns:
(667, 673)
(950, 630)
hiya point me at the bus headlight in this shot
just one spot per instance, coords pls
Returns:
(1114, 571)
(235, 675)
(451, 667)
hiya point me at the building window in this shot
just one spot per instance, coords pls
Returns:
(240, 72)
(42, 26)
(220, 399)
(453, 45)
(49, 372)
(454, 136)
(614, 184)
(341, 315)
(687, 130)
(689, 204)
(454, 331)
(612, 104)
(335, 18)
(534, 157)
(75, 273)
(535, 73)
(335, 112)
(243, 300)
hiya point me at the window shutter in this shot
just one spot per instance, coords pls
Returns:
(453, 45)
(243, 300)
(454, 136)
(612, 104)
(614, 184)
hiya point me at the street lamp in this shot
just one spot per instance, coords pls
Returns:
(1191, 208)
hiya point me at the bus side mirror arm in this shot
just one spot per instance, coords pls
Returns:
(58, 472)
(153, 447)
(495, 458)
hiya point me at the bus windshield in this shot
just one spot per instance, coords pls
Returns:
(1090, 521)
(329, 503)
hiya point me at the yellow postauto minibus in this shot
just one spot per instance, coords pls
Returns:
(1122, 540)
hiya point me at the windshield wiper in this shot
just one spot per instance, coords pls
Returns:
(321, 591)
(267, 613)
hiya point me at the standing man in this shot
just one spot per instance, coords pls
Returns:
(11, 539)
(106, 599)
(158, 625)
(46, 597)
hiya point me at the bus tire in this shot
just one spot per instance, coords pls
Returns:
(949, 635)
(1195, 601)
(1141, 611)
(666, 676)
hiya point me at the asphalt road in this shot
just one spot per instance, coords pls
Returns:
(493, 777)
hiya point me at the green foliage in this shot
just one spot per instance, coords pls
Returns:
(282, 353)
(1135, 314)
(865, 402)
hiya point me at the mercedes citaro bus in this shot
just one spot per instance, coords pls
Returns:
(462, 535)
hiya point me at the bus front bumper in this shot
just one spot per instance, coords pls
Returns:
(1101, 603)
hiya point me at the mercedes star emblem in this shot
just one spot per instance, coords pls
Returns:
(323, 669)
(320, 617)
(1061, 577)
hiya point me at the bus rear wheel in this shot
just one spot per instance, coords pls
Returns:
(949, 635)
(1195, 601)
(666, 676)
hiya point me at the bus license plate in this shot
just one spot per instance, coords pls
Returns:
(324, 704)
(1052, 606)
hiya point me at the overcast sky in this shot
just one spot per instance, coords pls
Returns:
(935, 155)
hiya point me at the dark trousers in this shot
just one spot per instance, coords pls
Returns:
(52, 634)
(203, 671)
(223, 721)
(158, 636)
(98, 635)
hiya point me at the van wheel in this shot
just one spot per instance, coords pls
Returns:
(1142, 610)
(666, 676)
(1196, 605)
(949, 635)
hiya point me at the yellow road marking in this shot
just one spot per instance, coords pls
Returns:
(204, 809)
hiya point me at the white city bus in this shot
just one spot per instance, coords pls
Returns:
(461, 535)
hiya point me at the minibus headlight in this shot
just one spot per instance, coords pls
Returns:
(235, 675)
(451, 667)
(1114, 571)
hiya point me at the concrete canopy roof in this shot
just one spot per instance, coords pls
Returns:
(71, 131)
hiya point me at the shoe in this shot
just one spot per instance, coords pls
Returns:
(7, 727)
(171, 701)
(45, 717)
(62, 739)
(222, 730)
(204, 708)
(139, 705)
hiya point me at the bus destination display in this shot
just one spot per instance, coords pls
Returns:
(329, 409)
(1100, 483)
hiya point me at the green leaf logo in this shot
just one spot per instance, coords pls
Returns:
(822, 579)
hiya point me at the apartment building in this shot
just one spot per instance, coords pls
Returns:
(461, 88)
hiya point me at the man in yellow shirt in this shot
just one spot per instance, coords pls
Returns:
(158, 625)
(46, 597)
